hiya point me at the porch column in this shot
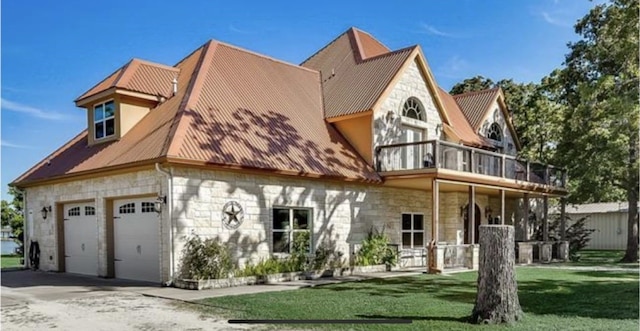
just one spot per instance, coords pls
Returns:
(436, 261)
(545, 219)
(563, 219)
(502, 192)
(526, 217)
(471, 214)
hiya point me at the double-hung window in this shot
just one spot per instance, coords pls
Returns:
(412, 231)
(104, 123)
(291, 229)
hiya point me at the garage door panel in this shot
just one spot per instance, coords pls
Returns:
(136, 240)
(81, 239)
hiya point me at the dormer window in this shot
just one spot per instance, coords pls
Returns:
(412, 108)
(104, 124)
(494, 132)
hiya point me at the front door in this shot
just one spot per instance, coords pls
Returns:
(467, 233)
(412, 155)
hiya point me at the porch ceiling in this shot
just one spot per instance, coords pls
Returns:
(424, 183)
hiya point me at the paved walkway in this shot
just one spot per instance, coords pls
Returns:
(25, 285)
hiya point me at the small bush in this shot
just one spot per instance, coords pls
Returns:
(205, 259)
(576, 234)
(375, 249)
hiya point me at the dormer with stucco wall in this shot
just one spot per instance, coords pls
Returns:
(119, 102)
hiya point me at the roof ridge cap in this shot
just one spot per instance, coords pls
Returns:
(155, 64)
(325, 46)
(127, 73)
(398, 51)
(264, 56)
(174, 138)
(469, 93)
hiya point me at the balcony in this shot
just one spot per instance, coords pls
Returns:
(437, 154)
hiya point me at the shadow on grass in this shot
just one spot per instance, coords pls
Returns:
(579, 293)
(406, 286)
(418, 318)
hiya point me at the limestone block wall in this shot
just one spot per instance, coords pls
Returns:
(451, 219)
(98, 189)
(411, 84)
(496, 116)
(343, 213)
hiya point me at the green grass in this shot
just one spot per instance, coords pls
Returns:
(9, 261)
(601, 258)
(551, 300)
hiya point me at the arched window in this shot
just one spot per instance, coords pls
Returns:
(494, 132)
(413, 109)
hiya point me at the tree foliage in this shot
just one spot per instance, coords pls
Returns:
(12, 213)
(599, 87)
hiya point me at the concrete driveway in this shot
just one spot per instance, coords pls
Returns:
(36, 300)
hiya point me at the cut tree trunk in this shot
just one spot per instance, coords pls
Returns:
(497, 298)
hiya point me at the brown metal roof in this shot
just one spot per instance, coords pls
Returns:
(138, 76)
(256, 112)
(147, 140)
(474, 105)
(355, 70)
(461, 128)
(233, 108)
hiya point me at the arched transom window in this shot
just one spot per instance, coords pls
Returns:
(413, 109)
(494, 132)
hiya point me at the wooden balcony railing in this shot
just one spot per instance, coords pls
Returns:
(446, 155)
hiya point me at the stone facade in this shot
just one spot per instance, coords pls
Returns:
(98, 190)
(495, 115)
(343, 213)
(411, 84)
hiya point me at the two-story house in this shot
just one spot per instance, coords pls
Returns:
(233, 144)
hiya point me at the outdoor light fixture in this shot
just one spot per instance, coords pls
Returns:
(488, 211)
(45, 211)
(160, 201)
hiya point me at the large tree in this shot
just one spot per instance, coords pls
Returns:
(599, 87)
(12, 213)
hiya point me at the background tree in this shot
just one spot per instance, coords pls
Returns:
(476, 83)
(12, 213)
(599, 88)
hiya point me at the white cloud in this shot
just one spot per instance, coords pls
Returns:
(426, 28)
(549, 18)
(31, 111)
(6, 144)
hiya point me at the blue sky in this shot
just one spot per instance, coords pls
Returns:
(53, 51)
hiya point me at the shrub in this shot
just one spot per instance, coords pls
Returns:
(375, 249)
(205, 259)
(576, 234)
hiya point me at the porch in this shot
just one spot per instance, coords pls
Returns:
(498, 186)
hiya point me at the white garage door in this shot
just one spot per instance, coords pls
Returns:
(136, 240)
(81, 239)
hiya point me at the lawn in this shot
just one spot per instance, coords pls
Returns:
(602, 258)
(551, 299)
(9, 261)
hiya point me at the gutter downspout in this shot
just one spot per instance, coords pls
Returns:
(169, 196)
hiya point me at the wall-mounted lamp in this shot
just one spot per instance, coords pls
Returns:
(160, 201)
(488, 211)
(390, 117)
(45, 211)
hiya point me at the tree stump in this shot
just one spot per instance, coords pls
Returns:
(497, 298)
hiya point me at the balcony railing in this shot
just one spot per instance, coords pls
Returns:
(446, 155)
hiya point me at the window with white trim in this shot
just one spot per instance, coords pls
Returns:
(412, 231)
(413, 108)
(494, 132)
(89, 211)
(148, 207)
(104, 123)
(291, 226)
(75, 211)
(129, 208)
